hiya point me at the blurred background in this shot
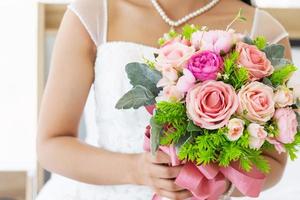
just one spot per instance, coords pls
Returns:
(28, 30)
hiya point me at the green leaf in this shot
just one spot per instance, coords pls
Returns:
(274, 52)
(135, 98)
(156, 130)
(188, 30)
(293, 148)
(280, 62)
(260, 42)
(245, 163)
(193, 127)
(280, 76)
(267, 82)
(248, 40)
(142, 74)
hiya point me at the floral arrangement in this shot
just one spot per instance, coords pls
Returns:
(219, 100)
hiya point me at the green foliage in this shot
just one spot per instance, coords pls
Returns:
(135, 98)
(191, 127)
(271, 129)
(229, 152)
(168, 36)
(235, 75)
(260, 42)
(213, 146)
(280, 76)
(238, 17)
(293, 148)
(274, 52)
(170, 112)
(142, 74)
(188, 30)
(173, 116)
(156, 130)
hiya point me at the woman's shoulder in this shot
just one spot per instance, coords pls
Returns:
(92, 14)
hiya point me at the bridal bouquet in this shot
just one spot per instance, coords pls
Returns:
(218, 100)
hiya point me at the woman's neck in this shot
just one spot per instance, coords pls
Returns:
(174, 8)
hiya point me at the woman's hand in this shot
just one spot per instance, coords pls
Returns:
(154, 171)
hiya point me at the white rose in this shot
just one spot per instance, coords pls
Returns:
(283, 97)
(257, 135)
(235, 129)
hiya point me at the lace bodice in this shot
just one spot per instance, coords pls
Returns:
(121, 130)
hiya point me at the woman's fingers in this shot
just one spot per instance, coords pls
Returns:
(166, 184)
(166, 172)
(180, 195)
(159, 158)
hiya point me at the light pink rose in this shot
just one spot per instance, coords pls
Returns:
(278, 146)
(235, 129)
(256, 102)
(205, 65)
(170, 93)
(169, 77)
(257, 135)
(173, 54)
(186, 81)
(283, 97)
(286, 121)
(215, 40)
(254, 60)
(210, 104)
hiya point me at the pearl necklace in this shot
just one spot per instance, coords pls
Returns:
(184, 19)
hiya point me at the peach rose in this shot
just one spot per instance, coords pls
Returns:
(210, 104)
(257, 135)
(254, 60)
(256, 102)
(235, 129)
(287, 124)
(283, 97)
(173, 54)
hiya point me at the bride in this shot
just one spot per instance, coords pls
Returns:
(95, 41)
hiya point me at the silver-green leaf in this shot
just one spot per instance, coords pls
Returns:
(274, 52)
(135, 98)
(156, 130)
(142, 74)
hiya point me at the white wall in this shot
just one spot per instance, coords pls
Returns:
(18, 83)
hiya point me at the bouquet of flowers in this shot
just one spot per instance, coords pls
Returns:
(218, 100)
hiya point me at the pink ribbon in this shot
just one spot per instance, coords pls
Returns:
(208, 182)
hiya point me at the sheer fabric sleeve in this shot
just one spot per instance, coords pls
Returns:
(93, 16)
(266, 25)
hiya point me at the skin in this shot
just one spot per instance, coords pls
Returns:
(72, 74)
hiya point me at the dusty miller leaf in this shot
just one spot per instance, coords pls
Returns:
(142, 74)
(156, 130)
(135, 98)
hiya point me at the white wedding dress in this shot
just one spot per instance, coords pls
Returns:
(107, 127)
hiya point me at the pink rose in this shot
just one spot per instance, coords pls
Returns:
(170, 93)
(278, 146)
(216, 40)
(256, 102)
(169, 77)
(186, 81)
(205, 65)
(254, 60)
(210, 104)
(283, 97)
(287, 124)
(235, 129)
(257, 135)
(173, 54)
